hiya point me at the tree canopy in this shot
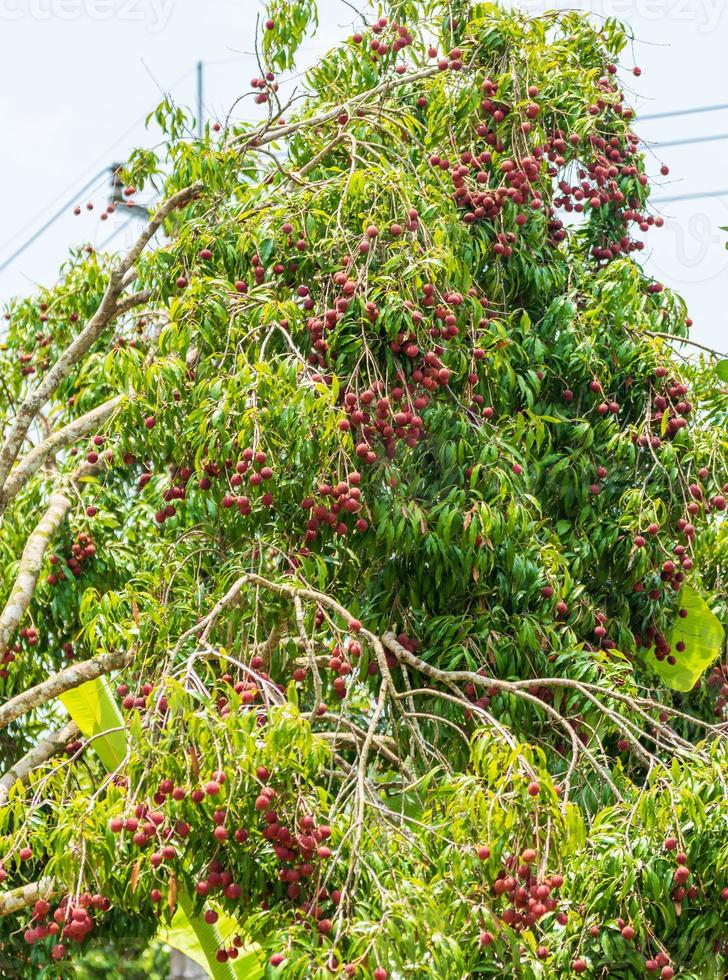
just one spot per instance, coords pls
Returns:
(362, 546)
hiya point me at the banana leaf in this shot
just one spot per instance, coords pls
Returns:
(199, 940)
(93, 708)
(701, 632)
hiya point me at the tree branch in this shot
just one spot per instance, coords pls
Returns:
(40, 753)
(108, 309)
(450, 678)
(30, 565)
(354, 736)
(267, 134)
(21, 898)
(64, 680)
(76, 429)
(129, 302)
(33, 554)
(684, 340)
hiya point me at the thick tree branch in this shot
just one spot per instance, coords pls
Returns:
(40, 753)
(32, 558)
(110, 307)
(76, 429)
(21, 898)
(64, 680)
(30, 566)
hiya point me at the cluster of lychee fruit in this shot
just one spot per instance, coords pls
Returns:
(71, 921)
(526, 895)
(82, 550)
(336, 507)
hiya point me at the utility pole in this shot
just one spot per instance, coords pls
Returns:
(118, 197)
(200, 124)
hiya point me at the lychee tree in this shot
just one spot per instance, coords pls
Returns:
(363, 563)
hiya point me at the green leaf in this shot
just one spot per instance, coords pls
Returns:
(702, 634)
(199, 940)
(93, 708)
(721, 369)
(664, 423)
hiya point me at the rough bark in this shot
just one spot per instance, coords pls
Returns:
(64, 680)
(30, 464)
(40, 753)
(111, 306)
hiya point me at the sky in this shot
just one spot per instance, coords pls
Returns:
(78, 77)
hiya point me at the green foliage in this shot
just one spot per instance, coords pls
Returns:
(149, 962)
(398, 365)
(286, 25)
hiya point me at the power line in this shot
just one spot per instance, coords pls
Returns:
(103, 156)
(19, 251)
(34, 237)
(689, 197)
(116, 232)
(685, 112)
(693, 139)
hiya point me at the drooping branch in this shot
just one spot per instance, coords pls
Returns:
(451, 678)
(45, 749)
(470, 677)
(64, 680)
(77, 429)
(270, 134)
(112, 305)
(20, 898)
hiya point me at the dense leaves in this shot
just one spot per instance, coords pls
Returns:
(409, 521)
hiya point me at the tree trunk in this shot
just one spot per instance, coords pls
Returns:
(181, 967)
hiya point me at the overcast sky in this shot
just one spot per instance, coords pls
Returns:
(77, 78)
